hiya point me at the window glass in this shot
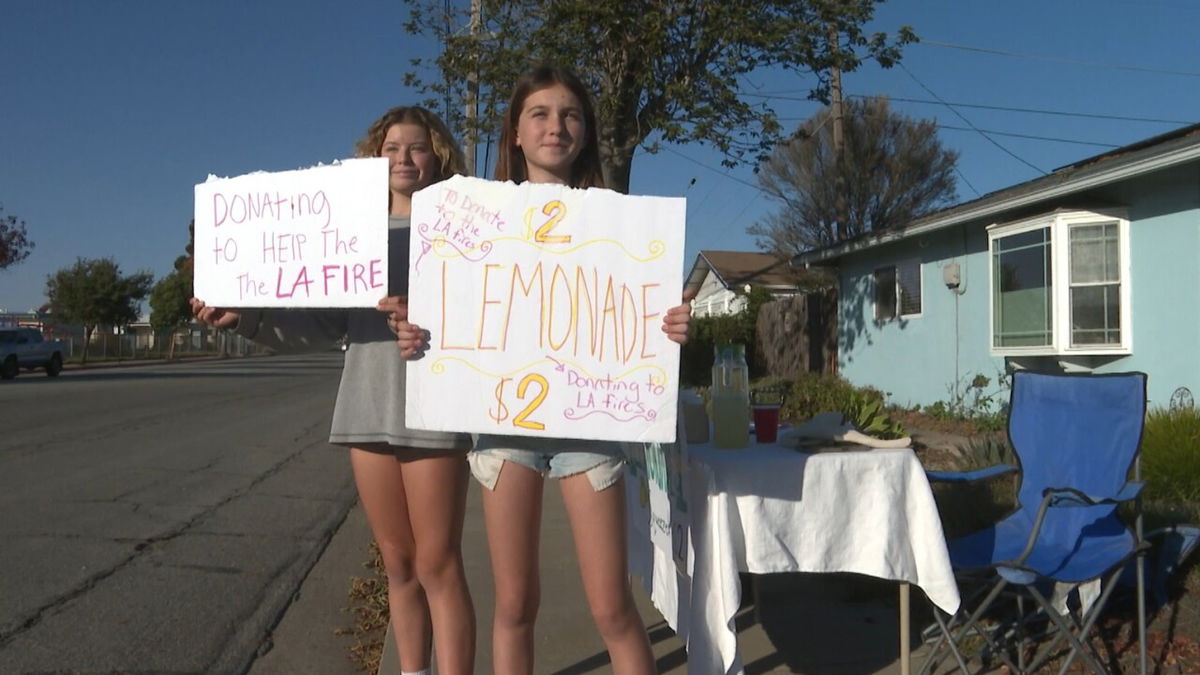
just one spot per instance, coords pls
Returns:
(885, 293)
(1095, 285)
(1094, 256)
(910, 288)
(1022, 304)
(1096, 315)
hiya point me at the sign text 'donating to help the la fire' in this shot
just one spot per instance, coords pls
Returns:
(307, 238)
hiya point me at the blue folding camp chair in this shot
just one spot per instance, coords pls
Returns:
(1076, 440)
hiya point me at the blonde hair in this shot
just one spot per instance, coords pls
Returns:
(450, 157)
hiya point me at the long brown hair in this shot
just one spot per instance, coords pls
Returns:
(510, 164)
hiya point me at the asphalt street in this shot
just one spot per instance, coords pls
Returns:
(159, 519)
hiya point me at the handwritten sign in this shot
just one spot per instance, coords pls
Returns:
(661, 511)
(308, 238)
(545, 307)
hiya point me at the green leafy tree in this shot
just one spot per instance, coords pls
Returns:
(892, 169)
(668, 71)
(15, 245)
(93, 292)
(169, 308)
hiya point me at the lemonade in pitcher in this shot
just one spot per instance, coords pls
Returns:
(731, 398)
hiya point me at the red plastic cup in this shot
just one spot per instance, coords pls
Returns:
(766, 423)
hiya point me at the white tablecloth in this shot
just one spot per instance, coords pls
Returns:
(769, 509)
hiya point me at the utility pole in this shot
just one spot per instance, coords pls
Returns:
(835, 84)
(471, 103)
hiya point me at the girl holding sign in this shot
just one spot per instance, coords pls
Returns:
(412, 483)
(549, 136)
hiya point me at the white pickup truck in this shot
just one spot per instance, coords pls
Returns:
(26, 348)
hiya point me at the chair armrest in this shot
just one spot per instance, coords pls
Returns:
(1070, 497)
(970, 476)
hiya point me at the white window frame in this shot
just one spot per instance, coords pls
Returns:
(1060, 223)
(899, 291)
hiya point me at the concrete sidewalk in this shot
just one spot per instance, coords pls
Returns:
(838, 624)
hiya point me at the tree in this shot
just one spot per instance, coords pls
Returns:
(14, 242)
(93, 292)
(664, 70)
(169, 307)
(892, 169)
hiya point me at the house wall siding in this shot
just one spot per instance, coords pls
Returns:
(919, 360)
(714, 299)
(1164, 243)
(916, 361)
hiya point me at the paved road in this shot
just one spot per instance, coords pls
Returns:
(158, 519)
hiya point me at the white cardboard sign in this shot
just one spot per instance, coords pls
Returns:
(544, 306)
(307, 238)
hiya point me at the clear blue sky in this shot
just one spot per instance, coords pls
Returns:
(113, 110)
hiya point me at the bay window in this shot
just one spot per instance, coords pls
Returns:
(1060, 284)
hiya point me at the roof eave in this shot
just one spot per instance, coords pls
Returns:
(1069, 186)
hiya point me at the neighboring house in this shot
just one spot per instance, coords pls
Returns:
(1094, 267)
(718, 276)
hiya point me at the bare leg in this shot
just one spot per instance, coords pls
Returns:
(437, 491)
(598, 525)
(380, 481)
(513, 514)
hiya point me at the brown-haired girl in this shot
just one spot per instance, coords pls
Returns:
(549, 136)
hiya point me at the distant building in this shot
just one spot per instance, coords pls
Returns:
(718, 277)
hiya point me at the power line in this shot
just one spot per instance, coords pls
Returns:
(1036, 138)
(964, 119)
(1039, 111)
(758, 190)
(706, 166)
(997, 133)
(963, 176)
(1059, 59)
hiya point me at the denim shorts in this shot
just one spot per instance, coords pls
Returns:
(601, 461)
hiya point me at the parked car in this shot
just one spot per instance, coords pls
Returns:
(26, 348)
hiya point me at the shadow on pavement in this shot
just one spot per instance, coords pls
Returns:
(833, 623)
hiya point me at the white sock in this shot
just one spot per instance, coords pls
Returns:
(423, 671)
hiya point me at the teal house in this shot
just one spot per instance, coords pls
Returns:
(1092, 268)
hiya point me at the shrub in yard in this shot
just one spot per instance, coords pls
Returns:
(986, 450)
(1171, 455)
(966, 507)
(977, 400)
(867, 413)
(814, 393)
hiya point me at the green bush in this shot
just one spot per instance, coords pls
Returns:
(971, 400)
(980, 452)
(867, 412)
(813, 393)
(1171, 455)
(706, 333)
